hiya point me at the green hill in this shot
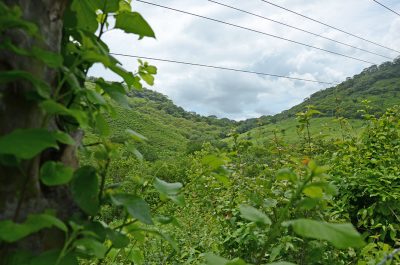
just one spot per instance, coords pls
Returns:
(380, 85)
(170, 129)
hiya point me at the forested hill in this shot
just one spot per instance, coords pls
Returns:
(157, 117)
(170, 130)
(378, 84)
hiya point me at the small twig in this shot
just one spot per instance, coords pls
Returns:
(389, 257)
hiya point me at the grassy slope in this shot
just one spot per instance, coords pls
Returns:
(167, 135)
(323, 127)
(380, 85)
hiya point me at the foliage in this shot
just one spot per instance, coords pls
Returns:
(159, 185)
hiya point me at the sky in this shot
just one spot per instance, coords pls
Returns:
(240, 95)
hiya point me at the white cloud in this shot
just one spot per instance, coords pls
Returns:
(238, 95)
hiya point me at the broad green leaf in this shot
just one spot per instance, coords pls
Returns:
(136, 206)
(339, 235)
(11, 18)
(136, 256)
(133, 22)
(151, 69)
(129, 78)
(63, 138)
(136, 136)
(52, 107)
(169, 190)
(42, 88)
(148, 78)
(212, 259)
(106, 6)
(102, 125)
(91, 247)
(118, 239)
(124, 6)
(55, 173)
(132, 149)
(286, 174)
(27, 143)
(95, 97)
(11, 232)
(213, 161)
(85, 15)
(50, 58)
(252, 214)
(313, 192)
(85, 189)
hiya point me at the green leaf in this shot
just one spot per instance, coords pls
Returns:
(27, 143)
(85, 189)
(12, 232)
(91, 247)
(129, 78)
(212, 259)
(102, 125)
(313, 192)
(136, 256)
(148, 78)
(85, 15)
(339, 235)
(136, 136)
(151, 69)
(170, 190)
(50, 58)
(136, 206)
(116, 91)
(52, 107)
(106, 6)
(55, 173)
(252, 214)
(167, 188)
(118, 239)
(133, 22)
(42, 88)
(95, 97)
(132, 149)
(63, 138)
(286, 174)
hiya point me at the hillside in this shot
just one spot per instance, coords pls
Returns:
(170, 130)
(378, 84)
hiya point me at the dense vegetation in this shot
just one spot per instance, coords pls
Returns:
(158, 185)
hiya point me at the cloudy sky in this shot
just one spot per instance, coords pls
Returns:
(240, 95)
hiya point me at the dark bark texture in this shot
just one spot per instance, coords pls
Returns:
(21, 193)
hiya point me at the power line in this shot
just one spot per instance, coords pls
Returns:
(256, 31)
(223, 68)
(329, 26)
(302, 30)
(388, 8)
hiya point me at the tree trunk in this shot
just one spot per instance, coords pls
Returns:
(20, 191)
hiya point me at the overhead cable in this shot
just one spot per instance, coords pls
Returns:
(388, 8)
(299, 29)
(257, 31)
(222, 68)
(332, 27)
